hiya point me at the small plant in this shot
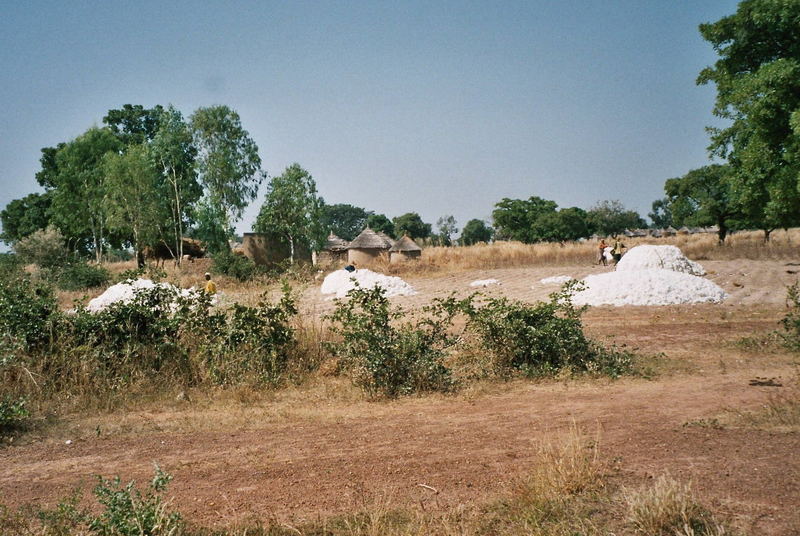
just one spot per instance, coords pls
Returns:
(237, 266)
(81, 275)
(13, 413)
(129, 512)
(28, 312)
(791, 322)
(387, 357)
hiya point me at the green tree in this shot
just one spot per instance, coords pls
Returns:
(174, 153)
(345, 221)
(475, 231)
(447, 228)
(22, 217)
(134, 124)
(661, 214)
(292, 210)
(757, 77)
(565, 224)
(132, 198)
(228, 163)
(79, 189)
(514, 218)
(708, 191)
(381, 223)
(611, 217)
(412, 224)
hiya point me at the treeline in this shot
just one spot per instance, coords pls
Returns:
(756, 182)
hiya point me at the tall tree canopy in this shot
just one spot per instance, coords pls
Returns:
(611, 217)
(565, 224)
(707, 193)
(381, 223)
(134, 124)
(292, 210)
(228, 163)
(345, 221)
(757, 77)
(475, 231)
(23, 217)
(411, 223)
(514, 218)
(447, 228)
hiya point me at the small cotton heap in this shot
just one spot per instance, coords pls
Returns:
(556, 280)
(666, 257)
(650, 275)
(126, 291)
(484, 282)
(341, 282)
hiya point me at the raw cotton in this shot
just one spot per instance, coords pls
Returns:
(648, 287)
(126, 291)
(665, 257)
(484, 282)
(556, 280)
(341, 282)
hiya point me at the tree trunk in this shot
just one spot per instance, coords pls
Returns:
(291, 250)
(722, 233)
(767, 233)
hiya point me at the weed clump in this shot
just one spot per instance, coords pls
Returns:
(791, 322)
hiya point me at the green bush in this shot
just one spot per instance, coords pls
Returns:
(80, 276)
(44, 248)
(543, 338)
(236, 266)
(390, 359)
(28, 312)
(13, 413)
(10, 266)
(791, 322)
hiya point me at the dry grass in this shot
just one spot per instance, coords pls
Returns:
(781, 412)
(668, 508)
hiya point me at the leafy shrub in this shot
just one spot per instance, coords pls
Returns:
(10, 266)
(236, 266)
(791, 322)
(388, 359)
(12, 412)
(543, 338)
(80, 276)
(45, 248)
(28, 311)
(129, 512)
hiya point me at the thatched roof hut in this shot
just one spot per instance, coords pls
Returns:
(367, 247)
(334, 250)
(404, 249)
(334, 243)
(389, 240)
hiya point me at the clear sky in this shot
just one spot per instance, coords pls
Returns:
(427, 106)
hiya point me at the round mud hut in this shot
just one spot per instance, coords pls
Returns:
(404, 249)
(367, 247)
(334, 250)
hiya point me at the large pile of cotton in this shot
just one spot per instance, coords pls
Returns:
(340, 282)
(126, 291)
(648, 287)
(648, 257)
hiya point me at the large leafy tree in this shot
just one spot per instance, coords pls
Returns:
(565, 224)
(133, 123)
(708, 191)
(475, 231)
(23, 217)
(514, 219)
(292, 210)
(173, 151)
(381, 223)
(228, 164)
(132, 200)
(611, 217)
(661, 214)
(411, 223)
(345, 221)
(79, 187)
(757, 77)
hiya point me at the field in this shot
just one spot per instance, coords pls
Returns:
(713, 412)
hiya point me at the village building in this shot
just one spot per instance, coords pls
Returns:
(367, 247)
(404, 249)
(333, 251)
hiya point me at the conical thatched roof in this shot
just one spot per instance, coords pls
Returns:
(368, 239)
(389, 240)
(334, 243)
(405, 244)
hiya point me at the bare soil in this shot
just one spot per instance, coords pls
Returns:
(469, 447)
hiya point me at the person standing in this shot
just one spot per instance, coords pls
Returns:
(617, 251)
(602, 257)
(211, 287)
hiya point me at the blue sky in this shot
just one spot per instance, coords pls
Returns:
(433, 107)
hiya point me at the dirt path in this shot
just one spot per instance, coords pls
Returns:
(469, 450)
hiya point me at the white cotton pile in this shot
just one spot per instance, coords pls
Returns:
(648, 287)
(607, 253)
(662, 257)
(126, 291)
(341, 281)
(484, 282)
(556, 280)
